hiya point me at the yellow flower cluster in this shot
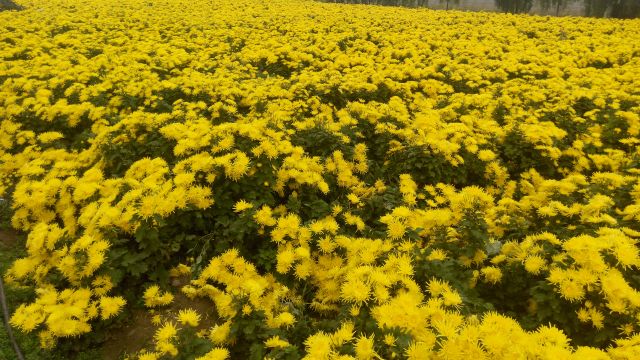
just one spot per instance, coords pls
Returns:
(240, 280)
(64, 314)
(355, 182)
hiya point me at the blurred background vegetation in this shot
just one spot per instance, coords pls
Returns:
(623, 9)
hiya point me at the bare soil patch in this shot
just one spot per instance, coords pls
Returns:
(138, 334)
(8, 238)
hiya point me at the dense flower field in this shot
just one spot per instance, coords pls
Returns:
(339, 181)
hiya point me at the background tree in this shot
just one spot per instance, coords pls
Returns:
(625, 9)
(514, 6)
(554, 4)
(596, 8)
(447, 2)
(622, 9)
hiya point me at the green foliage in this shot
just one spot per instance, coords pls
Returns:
(9, 5)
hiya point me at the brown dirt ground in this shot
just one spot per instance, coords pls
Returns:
(8, 239)
(138, 334)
